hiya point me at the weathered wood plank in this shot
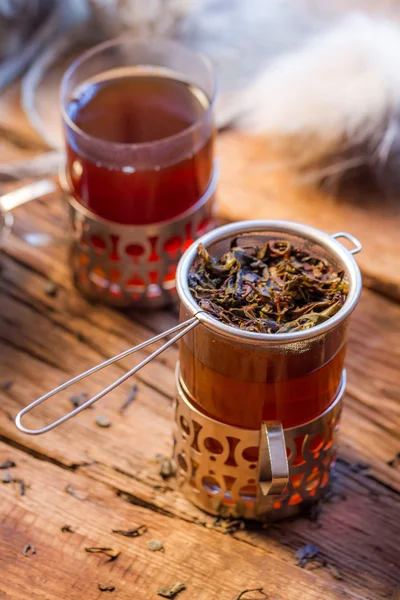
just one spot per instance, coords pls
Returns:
(213, 566)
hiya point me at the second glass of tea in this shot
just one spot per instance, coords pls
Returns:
(139, 130)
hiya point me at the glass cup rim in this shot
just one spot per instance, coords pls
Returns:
(90, 52)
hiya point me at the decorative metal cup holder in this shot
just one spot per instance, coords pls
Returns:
(231, 471)
(253, 474)
(134, 265)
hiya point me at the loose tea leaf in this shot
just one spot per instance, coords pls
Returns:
(6, 385)
(306, 553)
(155, 546)
(106, 588)
(130, 398)
(70, 490)
(359, 467)
(102, 421)
(242, 594)
(7, 464)
(166, 469)
(78, 399)
(110, 552)
(274, 289)
(172, 591)
(67, 529)
(50, 288)
(29, 549)
(135, 532)
(229, 526)
(21, 487)
(395, 461)
(6, 477)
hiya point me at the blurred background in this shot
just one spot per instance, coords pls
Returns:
(321, 69)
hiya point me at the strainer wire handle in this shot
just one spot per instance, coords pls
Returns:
(182, 329)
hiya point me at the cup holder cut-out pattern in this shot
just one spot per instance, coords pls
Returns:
(137, 263)
(220, 462)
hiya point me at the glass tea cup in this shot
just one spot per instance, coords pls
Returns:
(139, 129)
(140, 172)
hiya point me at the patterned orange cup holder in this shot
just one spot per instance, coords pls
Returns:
(219, 465)
(134, 265)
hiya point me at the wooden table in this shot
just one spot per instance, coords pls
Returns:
(48, 335)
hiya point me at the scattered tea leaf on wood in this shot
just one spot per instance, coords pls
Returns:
(166, 468)
(106, 588)
(229, 526)
(7, 464)
(29, 549)
(110, 552)
(131, 533)
(129, 399)
(78, 399)
(22, 487)
(274, 289)
(395, 461)
(306, 553)
(359, 467)
(155, 546)
(6, 477)
(242, 594)
(50, 288)
(67, 529)
(172, 591)
(102, 421)
(70, 490)
(6, 385)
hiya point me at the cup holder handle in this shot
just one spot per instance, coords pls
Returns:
(273, 470)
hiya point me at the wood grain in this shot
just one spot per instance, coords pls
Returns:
(61, 568)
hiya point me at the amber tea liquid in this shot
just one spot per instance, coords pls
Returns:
(236, 398)
(128, 106)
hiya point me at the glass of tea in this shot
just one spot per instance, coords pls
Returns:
(260, 392)
(243, 377)
(139, 131)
